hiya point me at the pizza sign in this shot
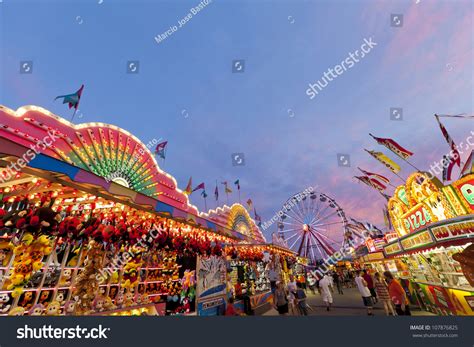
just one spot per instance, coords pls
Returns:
(416, 219)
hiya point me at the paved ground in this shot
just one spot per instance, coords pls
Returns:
(347, 304)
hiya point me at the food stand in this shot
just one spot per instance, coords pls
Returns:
(435, 226)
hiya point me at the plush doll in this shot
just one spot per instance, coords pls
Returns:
(87, 284)
(119, 300)
(48, 220)
(5, 302)
(17, 311)
(128, 300)
(66, 278)
(98, 304)
(53, 309)
(26, 300)
(69, 307)
(188, 279)
(130, 273)
(36, 310)
(108, 304)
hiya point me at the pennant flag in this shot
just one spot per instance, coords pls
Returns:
(394, 147)
(216, 193)
(376, 177)
(72, 99)
(386, 218)
(454, 150)
(249, 204)
(389, 163)
(189, 187)
(160, 149)
(257, 217)
(448, 164)
(199, 186)
(373, 184)
(469, 166)
(237, 183)
(203, 193)
(227, 189)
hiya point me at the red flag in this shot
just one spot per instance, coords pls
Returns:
(375, 176)
(188, 190)
(199, 186)
(394, 147)
(455, 154)
(372, 183)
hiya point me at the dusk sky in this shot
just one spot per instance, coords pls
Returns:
(186, 93)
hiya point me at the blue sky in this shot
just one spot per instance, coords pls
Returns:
(425, 67)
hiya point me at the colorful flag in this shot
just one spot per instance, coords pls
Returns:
(371, 183)
(203, 193)
(72, 99)
(160, 149)
(375, 177)
(469, 166)
(454, 150)
(394, 147)
(227, 189)
(257, 217)
(237, 183)
(189, 187)
(389, 163)
(448, 164)
(216, 192)
(386, 218)
(199, 186)
(249, 204)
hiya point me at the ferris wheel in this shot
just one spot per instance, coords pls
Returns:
(313, 225)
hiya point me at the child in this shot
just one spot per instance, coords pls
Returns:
(301, 299)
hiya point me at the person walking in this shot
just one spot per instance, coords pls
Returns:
(364, 292)
(301, 300)
(397, 294)
(291, 288)
(326, 288)
(370, 284)
(337, 281)
(382, 292)
(280, 299)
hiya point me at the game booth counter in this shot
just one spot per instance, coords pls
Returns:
(434, 249)
(75, 242)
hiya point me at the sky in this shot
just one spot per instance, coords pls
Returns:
(186, 92)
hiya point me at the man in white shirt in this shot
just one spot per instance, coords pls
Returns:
(325, 285)
(365, 292)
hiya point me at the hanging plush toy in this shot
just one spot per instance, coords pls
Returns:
(130, 273)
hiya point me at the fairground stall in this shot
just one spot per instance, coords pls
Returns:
(91, 225)
(245, 270)
(434, 248)
(370, 256)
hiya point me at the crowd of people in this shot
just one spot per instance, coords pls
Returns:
(384, 288)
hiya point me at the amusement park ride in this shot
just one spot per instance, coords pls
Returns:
(315, 226)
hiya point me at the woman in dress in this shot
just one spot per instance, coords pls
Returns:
(382, 293)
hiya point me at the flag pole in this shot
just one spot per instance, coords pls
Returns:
(75, 110)
(205, 204)
(239, 197)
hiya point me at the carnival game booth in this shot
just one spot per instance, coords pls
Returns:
(244, 269)
(91, 225)
(435, 250)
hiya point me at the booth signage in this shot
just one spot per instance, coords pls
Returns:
(393, 248)
(416, 218)
(420, 239)
(454, 231)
